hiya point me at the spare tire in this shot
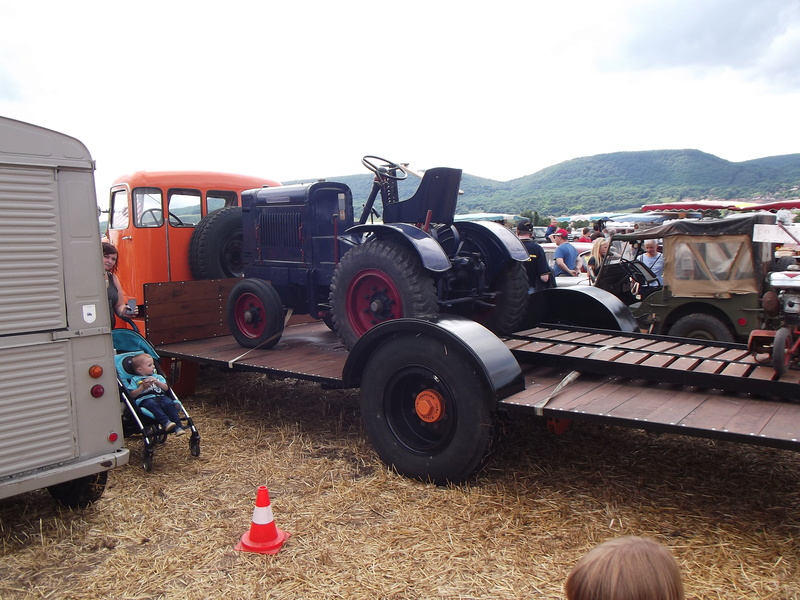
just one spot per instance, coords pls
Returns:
(215, 250)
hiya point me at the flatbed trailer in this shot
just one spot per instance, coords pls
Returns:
(424, 381)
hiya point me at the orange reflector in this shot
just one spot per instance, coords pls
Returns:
(98, 390)
(95, 371)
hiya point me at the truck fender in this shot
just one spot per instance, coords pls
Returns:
(488, 355)
(499, 239)
(433, 257)
(581, 306)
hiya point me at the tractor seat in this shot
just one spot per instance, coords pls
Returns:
(438, 192)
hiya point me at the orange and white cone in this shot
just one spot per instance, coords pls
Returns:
(263, 537)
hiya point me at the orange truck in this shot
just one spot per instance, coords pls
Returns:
(176, 226)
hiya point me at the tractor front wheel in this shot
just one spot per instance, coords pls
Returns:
(375, 282)
(255, 314)
(425, 410)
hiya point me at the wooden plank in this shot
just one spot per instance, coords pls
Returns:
(752, 417)
(685, 363)
(785, 423)
(677, 407)
(658, 360)
(713, 413)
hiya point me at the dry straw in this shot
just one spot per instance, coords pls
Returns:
(728, 512)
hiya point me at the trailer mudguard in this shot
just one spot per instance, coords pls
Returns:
(581, 306)
(499, 240)
(489, 356)
(431, 254)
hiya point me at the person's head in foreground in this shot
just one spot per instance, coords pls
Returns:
(626, 568)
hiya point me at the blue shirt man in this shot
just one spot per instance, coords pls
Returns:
(566, 256)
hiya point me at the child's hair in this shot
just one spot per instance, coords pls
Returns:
(626, 568)
(139, 360)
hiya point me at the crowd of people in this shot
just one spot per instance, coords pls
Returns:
(566, 261)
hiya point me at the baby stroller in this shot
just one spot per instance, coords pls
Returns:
(137, 420)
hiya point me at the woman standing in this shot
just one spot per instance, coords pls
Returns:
(116, 298)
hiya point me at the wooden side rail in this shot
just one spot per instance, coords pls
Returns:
(183, 311)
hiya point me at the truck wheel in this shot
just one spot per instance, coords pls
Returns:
(702, 327)
(377, 281)
(255, 314)
(511, 303)
(425, 410)
(215, 250)
(782, 350)
(80, 493)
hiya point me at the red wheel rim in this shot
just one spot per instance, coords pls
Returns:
(372, 298)
(249, 315)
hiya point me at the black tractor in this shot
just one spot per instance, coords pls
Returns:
(304, 252)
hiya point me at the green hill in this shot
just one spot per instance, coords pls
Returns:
(621, 181)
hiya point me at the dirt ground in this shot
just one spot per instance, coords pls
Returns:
(728, 512)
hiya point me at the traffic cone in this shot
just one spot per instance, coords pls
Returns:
(264, 537)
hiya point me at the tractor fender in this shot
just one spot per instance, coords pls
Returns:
(581, 306)
(501, 244)
(489, 356)
(433, 257)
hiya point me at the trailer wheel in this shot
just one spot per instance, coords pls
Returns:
(215, 250)
(425, 410)
(702, 327)
(375, 282)
(511, 286)
(782, 350)
(255, 314)
(80, 493)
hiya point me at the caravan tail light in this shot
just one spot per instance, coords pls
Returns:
(95, 371)
(98, 390)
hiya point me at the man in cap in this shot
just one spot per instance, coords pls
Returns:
(566, 256)
(539, 275)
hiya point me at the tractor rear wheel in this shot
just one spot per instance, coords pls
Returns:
(215, 250)
(511, 302)
(425, 410)
(255, 314)
(375, 282)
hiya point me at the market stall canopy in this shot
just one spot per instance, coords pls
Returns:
(700, 205)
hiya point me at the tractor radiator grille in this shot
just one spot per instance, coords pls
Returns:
(279, 230)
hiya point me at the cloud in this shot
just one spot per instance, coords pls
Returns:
(761, 39)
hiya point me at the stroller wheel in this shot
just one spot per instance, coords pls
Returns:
(161, 436)
(147, 462)
(194, 446)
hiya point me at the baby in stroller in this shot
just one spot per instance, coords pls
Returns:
(150, 407)
(148, 393)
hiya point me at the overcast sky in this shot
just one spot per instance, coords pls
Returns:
(302, 89)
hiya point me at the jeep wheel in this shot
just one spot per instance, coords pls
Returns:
(701, 327)
(377, 281)
(255, 314)
(215, 250)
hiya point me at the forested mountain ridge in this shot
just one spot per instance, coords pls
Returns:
(620, 181)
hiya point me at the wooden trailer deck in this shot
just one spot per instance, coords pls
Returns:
(655, 383)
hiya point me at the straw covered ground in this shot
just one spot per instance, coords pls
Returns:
(729, 512)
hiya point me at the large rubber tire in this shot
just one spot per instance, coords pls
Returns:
(449, 436)
(375, 282)
(255, 314)
(511, 302)
(701, 326)
(80, 493)
(782, 350)
(215, 250)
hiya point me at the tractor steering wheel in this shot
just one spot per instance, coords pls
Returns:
(385, 168)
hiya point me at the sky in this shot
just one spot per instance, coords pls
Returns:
(303, 89)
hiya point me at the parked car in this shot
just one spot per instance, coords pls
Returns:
(584, 251)
(714, 277)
